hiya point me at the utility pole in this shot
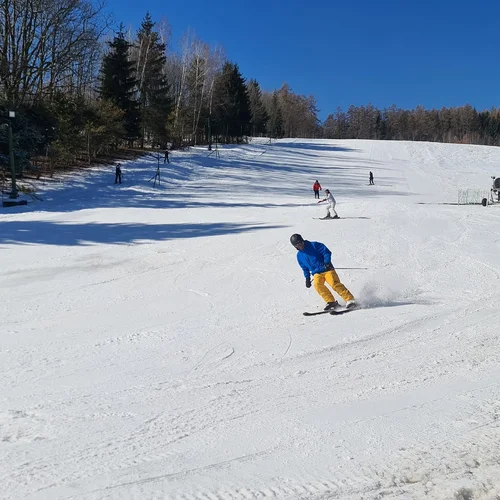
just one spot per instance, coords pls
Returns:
(209, 133)
(13, 193)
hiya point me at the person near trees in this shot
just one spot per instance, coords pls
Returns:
(118, 174)
(166, 159)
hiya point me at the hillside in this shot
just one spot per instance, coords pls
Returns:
(153, 343)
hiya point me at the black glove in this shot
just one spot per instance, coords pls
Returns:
(308, 282)
(328, 266)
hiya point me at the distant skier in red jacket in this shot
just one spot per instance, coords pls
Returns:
(316, 189)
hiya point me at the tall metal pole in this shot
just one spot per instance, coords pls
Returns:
(13, 193)
(209, 134)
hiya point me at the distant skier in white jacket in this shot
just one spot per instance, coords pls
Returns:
(330, 209)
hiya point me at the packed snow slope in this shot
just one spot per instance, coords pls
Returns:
(153, 344)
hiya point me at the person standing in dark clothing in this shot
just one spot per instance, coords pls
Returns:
(118, 174)
(166, 160)
(371, 179)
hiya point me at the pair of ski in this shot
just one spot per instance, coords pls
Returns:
(333, 312)
(326, 218)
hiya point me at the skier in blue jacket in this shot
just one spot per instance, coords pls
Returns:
(315, 258)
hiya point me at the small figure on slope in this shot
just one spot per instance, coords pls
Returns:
(315, 258)
(316, 189)
(330, 209)
(118, 174)
(371, 179)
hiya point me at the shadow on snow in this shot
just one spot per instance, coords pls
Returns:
(53, 233)
(312, 146)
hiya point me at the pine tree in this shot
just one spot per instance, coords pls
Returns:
(258, 111)
(118, 83)
(275, 123)
(154, 90)
(232, 106)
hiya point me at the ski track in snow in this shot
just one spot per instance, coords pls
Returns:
(153, 346)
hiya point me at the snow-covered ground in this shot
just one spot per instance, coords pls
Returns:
(153, 344)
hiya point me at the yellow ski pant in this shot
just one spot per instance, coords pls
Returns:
(332, 278)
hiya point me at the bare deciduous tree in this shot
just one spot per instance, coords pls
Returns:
(48, 45)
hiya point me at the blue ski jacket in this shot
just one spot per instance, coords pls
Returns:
(313, 258)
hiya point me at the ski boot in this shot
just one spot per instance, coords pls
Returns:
(331, 306)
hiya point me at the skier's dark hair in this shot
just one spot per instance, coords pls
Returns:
(296, 238)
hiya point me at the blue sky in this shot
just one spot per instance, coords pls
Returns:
(405, 52)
